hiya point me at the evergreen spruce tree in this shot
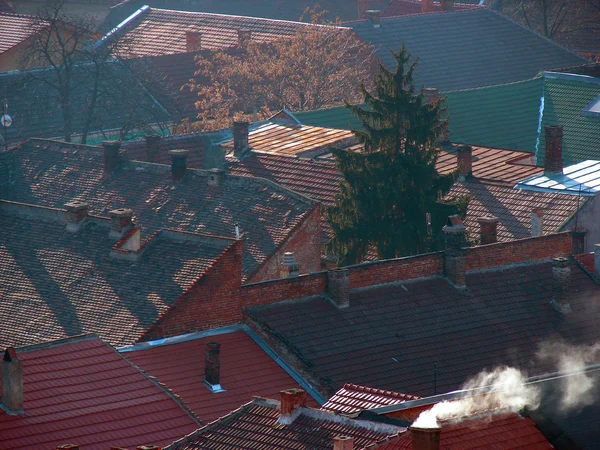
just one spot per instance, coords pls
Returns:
(391, 188)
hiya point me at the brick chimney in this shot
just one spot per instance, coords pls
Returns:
(240, 138)
(244, 37)
(464, 161)
(288, 267)
(455, 255)
(374, 16)
(152, 147)
(338, 287)
(553, 162)
(193, 41)
(432, 95)
(343, 443)
(112, 155)
(291, 400)
(425, 438)
(121, 221)
(426, 6)
(77, 212)
(178, 164)
(447, 5)
(537, 222)
(12, 382)
(363, 7)
(212, 367)
(488, 227)
(561, 274)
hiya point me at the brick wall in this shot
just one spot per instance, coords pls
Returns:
(212, 302)
(518, 252)
(274, 291)
(304, 241)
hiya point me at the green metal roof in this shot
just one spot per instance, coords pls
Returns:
(339, 117)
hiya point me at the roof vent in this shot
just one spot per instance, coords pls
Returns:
(12, 383)
(289, 267)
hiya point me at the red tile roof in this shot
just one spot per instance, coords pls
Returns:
(163, 32)
(407, 7)
(246, 371)
(255, 426)
(82, 391)
(15, 29)
(352, 398)
(502, 432)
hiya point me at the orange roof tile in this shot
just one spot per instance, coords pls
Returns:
(15, 29)
(352, 398)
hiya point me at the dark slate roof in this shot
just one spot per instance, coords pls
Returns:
(82, 391)
(336, 117)
(466, 49)
(392, 335)
(254, 426)
(36, 111)
(70, 283)
(51, 173)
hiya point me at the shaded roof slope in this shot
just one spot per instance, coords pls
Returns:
(466, 49)
(391, 336)
(56, 283)
(254, 426)
(246, 371)
(81, 390)
(352, 398)
(50, 173)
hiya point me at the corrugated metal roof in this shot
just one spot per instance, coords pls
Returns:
(578, 179)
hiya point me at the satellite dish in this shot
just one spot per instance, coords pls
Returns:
(6, 120)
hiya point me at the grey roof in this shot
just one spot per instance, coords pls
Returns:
(466, 49)
(578, 179)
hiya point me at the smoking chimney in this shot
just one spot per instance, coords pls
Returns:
(425, 438)
(152, 147)
(244, 36)
(455, 255)
(121, 220)
(288, 267)
(537, 222)
(488, 227)
(112, 155)
(12, 382)
(374, 16)
(561, 274)
(338, 287)
(291, 401)
(193, 41)
(363, 7)
(240, 138)
(212, 367)
(178, 164)
(426, 6)
(77, 212)
(553, 162)
(464, 161)
(343, 443)
(447, 5)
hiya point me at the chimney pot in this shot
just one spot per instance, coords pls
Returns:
(432, 95)
(374, 16)
(240, 138)
(338, 287)
(488, 230)
(291, 400)
(343, 443)
(363, 7)
(425, 438)
(193, 41)
(447, 5)
(553, 162)
(152, 147)
(112, 155)
(244, 37)
(464, 161)
(561, 274)
(537, 222)
(288, 267)
(178, 164)
(426, 6)
(121, 220)
(216, 176)
(455, 259)
(12, 382)
(77, 212)
(212, 367)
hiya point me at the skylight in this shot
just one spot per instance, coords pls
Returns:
(593, 109)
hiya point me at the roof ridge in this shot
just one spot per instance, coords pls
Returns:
(539, 76)
(58, 342)
(360, 388)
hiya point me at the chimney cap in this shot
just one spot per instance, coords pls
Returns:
(561, 262)
(179, 153)
(76, 205)
(488, 219)
(121, 212)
